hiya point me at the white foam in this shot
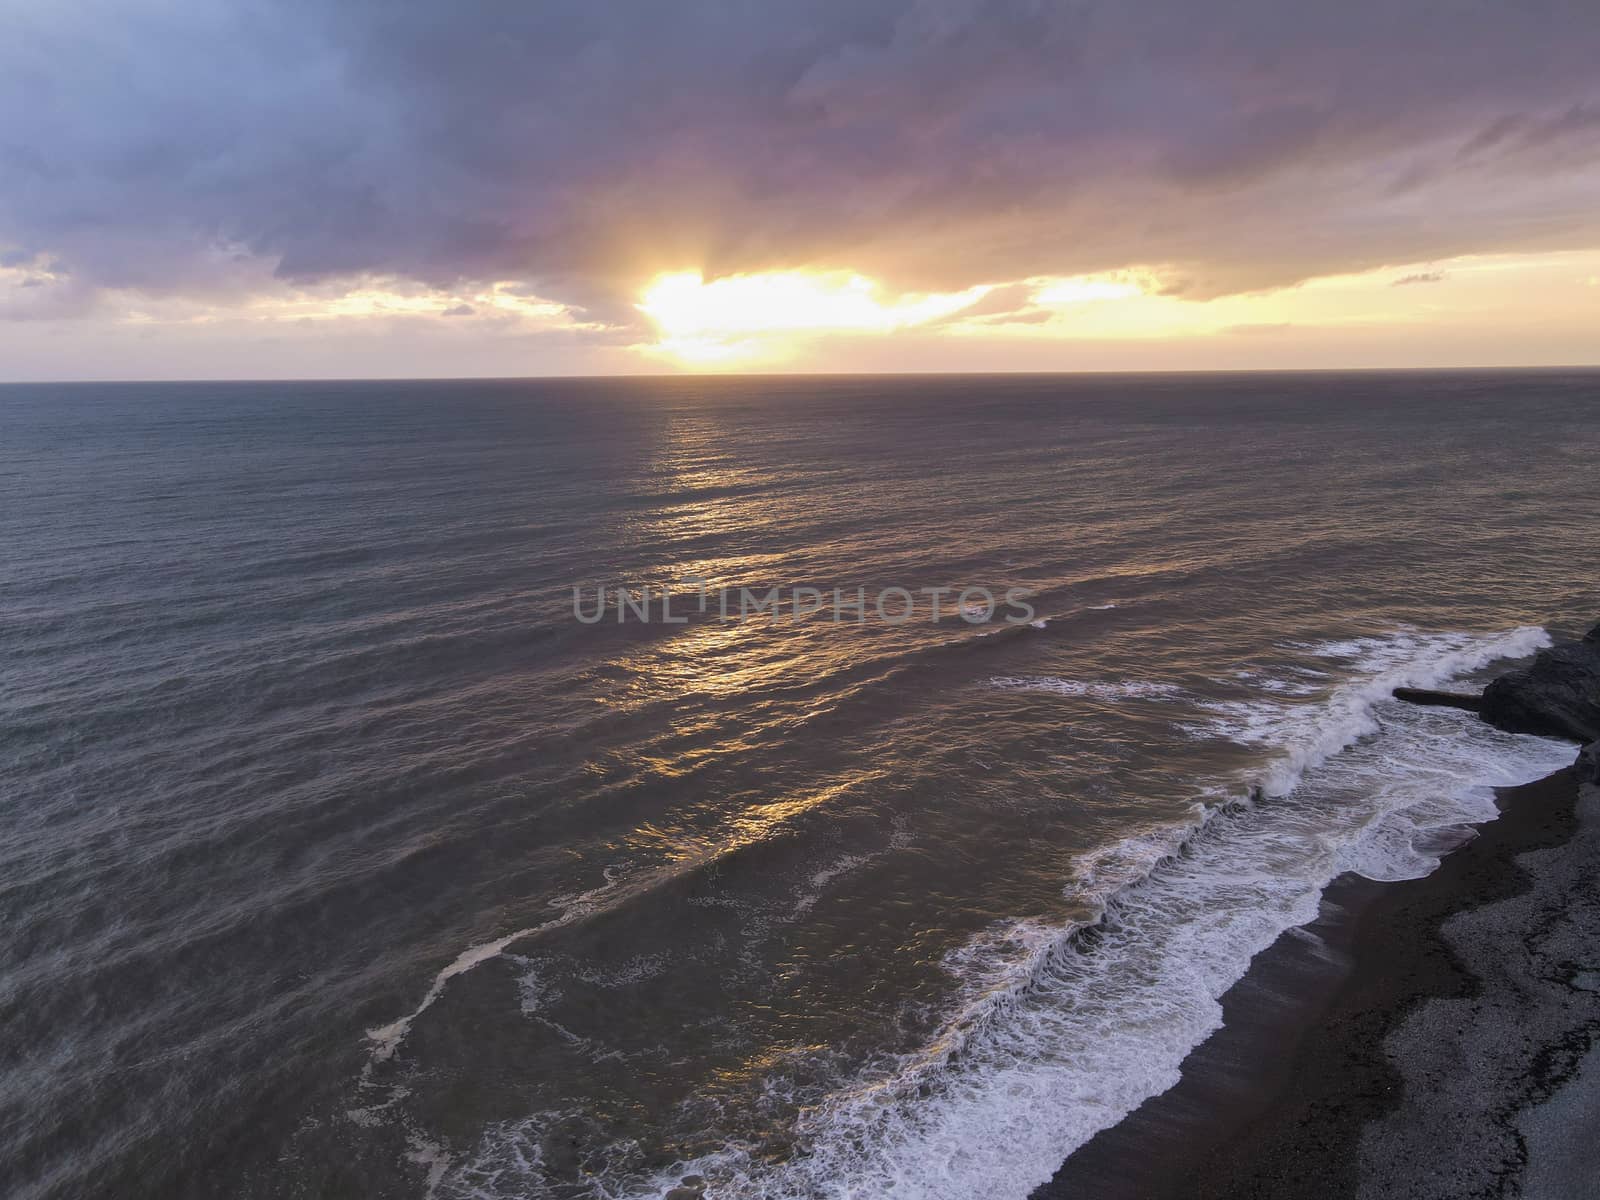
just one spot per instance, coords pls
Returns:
(1126, 689)
(635, 970)
(823, 877)
(1307, 735)
(1051, 1038)
(432, 1156)
(1049, 1041)
(1305, 684)
(387, 1039)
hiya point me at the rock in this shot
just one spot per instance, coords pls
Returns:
(1439, 699)
(1557, 695)
(1589, 764)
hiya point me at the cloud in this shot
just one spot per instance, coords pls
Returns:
(458, 310)
(578, 147)
(1001, 303)
(1419, 277)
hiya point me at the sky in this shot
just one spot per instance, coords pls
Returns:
(376, 188)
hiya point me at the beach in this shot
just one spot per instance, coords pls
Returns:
(1428, 1038)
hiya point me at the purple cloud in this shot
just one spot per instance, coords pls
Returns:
(190, 148)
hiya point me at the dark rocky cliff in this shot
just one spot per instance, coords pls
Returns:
(1557, 694)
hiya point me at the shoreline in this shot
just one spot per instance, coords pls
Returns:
(1336, 1073)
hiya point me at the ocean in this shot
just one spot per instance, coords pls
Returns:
(346, 854)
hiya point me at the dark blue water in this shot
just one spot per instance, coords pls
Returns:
(340, 858)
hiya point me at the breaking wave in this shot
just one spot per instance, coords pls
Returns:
(1058, 1031)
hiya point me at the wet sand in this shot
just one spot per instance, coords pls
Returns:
(1424, 1038)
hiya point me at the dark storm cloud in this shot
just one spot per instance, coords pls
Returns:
(181, 146)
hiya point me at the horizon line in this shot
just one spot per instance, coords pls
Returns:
(732, 375)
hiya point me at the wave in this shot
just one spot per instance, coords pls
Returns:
(1131, 689)
(384, 1041)
(1059, 1031)
(1305, 736)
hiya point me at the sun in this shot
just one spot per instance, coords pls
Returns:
(766, 315)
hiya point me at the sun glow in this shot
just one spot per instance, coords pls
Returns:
(749, 316)
(1082, 289)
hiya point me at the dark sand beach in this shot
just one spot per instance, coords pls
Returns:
(1425, 1038)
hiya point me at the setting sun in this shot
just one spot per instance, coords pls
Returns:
(749, 316)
